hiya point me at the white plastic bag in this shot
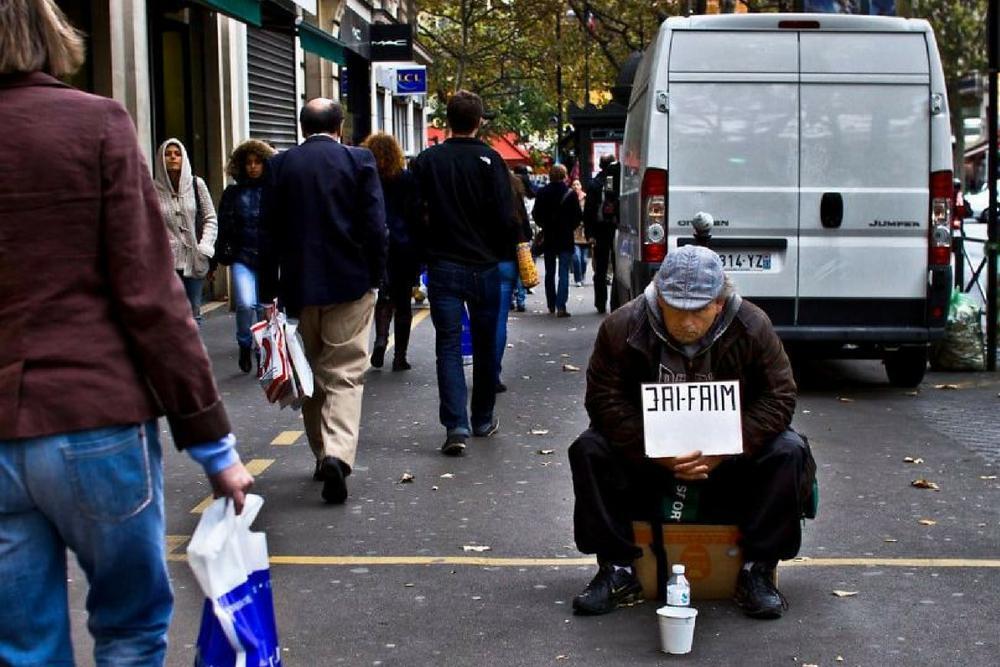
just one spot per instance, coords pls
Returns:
(230, 563)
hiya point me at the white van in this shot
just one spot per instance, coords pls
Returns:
(820, 144)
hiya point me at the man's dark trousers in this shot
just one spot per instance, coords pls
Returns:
(760, 494)
(602, 254)
(450, 288)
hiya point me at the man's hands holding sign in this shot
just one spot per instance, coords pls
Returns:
(691, 467)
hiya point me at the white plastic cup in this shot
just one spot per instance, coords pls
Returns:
(676, 629)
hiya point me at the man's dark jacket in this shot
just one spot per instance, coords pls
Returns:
(466, 186)
(632, 347)
(327, 216)
(557, 212)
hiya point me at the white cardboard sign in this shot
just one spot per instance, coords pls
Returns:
(680, 418)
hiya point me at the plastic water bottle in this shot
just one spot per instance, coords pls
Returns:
(678, 588)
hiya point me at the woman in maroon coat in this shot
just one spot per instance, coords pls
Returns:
(96, 341)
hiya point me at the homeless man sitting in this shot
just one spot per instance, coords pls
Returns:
(688, 326)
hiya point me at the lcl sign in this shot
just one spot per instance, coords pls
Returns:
(411, 80)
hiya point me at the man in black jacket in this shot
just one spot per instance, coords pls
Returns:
(466, 186)
(557, 211)
(600, 220)
(328, 221)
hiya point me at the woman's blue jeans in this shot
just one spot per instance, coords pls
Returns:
(508, 282)
(581, 255)
(193, 289)
(248, 310)
(450, 288)
(556, 300)
(99, 493)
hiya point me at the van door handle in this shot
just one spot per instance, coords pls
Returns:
(831, 210)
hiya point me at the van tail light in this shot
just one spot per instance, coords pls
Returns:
(654, 215)
(942, 194)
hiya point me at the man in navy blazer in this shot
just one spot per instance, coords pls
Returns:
(327, 218)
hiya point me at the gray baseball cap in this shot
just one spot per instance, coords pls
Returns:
(690, 277)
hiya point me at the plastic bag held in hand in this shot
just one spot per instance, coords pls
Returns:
(230, 563)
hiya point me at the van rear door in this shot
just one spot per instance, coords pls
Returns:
(864, 165)
(733, 139)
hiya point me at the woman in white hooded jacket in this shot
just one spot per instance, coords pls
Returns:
(186, 206)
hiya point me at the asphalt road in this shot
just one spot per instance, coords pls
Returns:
(352, 586)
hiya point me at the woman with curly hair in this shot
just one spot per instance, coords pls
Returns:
(399, 189)
(242, 242)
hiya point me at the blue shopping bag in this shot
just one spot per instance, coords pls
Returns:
(230, 563)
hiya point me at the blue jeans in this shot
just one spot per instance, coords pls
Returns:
(556, 300)
(450, 288)
(508, 281)
(99, 493)
(581, 253)
(520, 294)
(193, 288)
(248, 309)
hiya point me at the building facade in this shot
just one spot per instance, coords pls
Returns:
(214, 73)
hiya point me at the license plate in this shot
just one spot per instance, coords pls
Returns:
(759, 262)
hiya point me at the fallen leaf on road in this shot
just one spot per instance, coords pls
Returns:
(925, 484)
(844, 399)
(447, 475)
(809, 664)
(562, 657)
(476, 548)
(845, 594)
(807, 412)
(406, 478)
(801, 559)
(987, 477)
(890, 540)
(910, 459)
(539, 431)
(840, 658)
(927, 522)
(948, 387)
(408, 585)
(546, 452)
(564, 356)
(570, 368)
(912, 393)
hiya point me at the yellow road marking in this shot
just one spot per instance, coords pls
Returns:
(175, 541)
(254, 467)
(480, 561)
(287, 437)
(418, 317)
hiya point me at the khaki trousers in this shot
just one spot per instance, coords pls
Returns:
(336, 345)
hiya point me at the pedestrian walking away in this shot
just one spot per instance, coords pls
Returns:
(466, 187)
(242, 243)
(402, 214)
(326, 215)
(97, 342)
(189, 215)
(600, 219)
(689, 326)
(557, 212)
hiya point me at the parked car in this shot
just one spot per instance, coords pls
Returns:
(976, 202)
(821, 147)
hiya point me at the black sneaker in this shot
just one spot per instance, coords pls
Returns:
(333, 472)
(378, 354)
(246, 359)
(454, 445)
(756, 593)
(500, 388)
(609, 589)
(488, 430)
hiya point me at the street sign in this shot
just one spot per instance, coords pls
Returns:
(411, 80)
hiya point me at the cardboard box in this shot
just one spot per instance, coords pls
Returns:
(710, 554)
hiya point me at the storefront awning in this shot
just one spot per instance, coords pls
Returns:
(247, 11)
(323, 44)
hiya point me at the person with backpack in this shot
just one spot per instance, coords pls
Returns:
(557, 212)
(689, 326)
